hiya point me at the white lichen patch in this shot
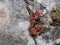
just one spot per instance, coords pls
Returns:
(57, 41)
(24, 34)
(41, 41)
(48, 3)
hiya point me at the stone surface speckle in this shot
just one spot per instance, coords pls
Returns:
(14, 23)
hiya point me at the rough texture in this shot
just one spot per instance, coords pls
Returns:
(14, 23)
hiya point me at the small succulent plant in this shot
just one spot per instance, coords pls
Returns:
(35, 25)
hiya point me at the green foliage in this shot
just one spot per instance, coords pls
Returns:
(56, 17)
(58, 12)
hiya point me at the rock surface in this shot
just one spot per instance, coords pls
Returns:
(14, 23)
